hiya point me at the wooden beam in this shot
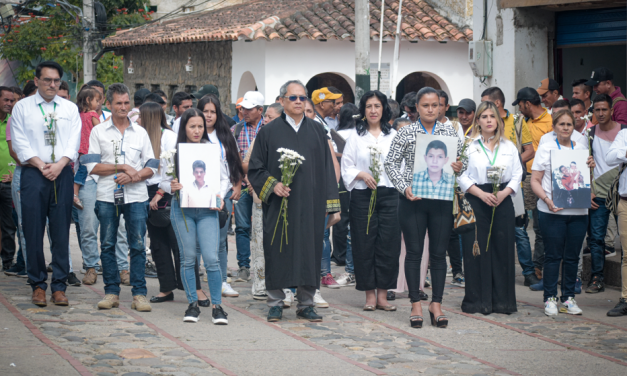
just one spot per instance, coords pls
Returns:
(544, 3)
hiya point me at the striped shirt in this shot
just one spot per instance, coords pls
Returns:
(246, 136)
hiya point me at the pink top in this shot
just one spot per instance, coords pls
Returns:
(86, 130)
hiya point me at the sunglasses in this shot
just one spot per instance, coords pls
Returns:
(293, 98)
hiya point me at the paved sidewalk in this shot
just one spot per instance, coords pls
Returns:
(80, 340)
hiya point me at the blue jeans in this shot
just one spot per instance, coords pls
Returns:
(243, 215)
(15, 194)
(563, 236)
(523, 248)
(136, 213)
(350, 267)
(89, 224)
(326, 251)
(81, 175)
(598, 227)
(222, 252)
(203, 231)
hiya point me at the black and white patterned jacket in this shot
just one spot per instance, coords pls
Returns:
(404, 148)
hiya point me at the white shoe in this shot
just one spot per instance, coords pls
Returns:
(262, 296)
(148, 251)
(550, 307)
(346, 279)
(289, 298)
(319, 302)
(228, 280)
(449, 271)
(570, 306)
(227, 291)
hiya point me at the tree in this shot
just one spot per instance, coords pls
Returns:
(55, 34)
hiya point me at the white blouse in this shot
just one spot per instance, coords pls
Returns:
(168, 142)
(225, 174)
(478, 164)
(356, 158)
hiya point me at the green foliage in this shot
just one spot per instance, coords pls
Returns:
(110, 69)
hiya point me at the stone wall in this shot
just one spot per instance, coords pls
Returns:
(163, 67)
(457, 11)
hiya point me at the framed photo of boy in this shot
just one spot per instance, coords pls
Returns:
(433, 175)
(199, 173)
(570, 179)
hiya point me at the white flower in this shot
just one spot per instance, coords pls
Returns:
(11, 164)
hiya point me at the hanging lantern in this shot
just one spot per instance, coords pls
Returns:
(131, 70)
(189, 67)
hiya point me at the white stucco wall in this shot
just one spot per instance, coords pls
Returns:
(273, 63)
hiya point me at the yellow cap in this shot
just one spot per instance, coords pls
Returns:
(324, 94)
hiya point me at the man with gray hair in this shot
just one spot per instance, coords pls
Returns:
(121, 154)
(272, 112)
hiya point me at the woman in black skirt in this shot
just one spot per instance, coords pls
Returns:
(417, 215)
(493, 162)
(376, 243)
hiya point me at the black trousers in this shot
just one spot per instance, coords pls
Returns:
(7, 226)
(340, 229)
(375, 254)
(418, 217)
(455, 253)
(164, 247)
(490, 276)
(38, 203)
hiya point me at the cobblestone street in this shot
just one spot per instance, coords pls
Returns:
(79, 339)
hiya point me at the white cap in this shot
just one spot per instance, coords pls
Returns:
(252, 99)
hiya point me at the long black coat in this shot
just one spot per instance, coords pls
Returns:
(314, 192)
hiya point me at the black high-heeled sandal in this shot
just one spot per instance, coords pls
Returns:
(416, 321)
(440, 321)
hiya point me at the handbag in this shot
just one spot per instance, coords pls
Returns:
(613, 197)
(464, 214)
(223, 216)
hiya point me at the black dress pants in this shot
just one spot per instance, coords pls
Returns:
(376, 253)
(38, 203)
(455, 253)
(7, 226)
(340, 229)
(418, 217)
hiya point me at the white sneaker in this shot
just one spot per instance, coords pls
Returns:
(449, 271)
(148, 251)
(570, 306)
(289, 298)
(227, 291)
(228, 280)
(550, 307)
(346, 279)
(319, 302)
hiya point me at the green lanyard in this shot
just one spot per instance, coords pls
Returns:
(42, 112)
(496, 152)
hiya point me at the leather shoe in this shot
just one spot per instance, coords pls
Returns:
(59, 298)
(161, 299)
(39, 297)
(531, 279)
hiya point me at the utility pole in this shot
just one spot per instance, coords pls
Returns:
(362, 48)
(89, 24)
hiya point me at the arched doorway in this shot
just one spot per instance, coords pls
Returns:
(246, 83)
(331, 79)
(416, 81)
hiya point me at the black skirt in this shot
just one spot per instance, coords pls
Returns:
(490, 276)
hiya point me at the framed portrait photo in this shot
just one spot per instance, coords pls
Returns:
(570, 179)
(199, 173)
(433, 175)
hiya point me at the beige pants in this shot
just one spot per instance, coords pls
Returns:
(622, 230)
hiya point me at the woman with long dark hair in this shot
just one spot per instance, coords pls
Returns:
(421, 214)
(198, 232)
(231, 171)
(374, 231)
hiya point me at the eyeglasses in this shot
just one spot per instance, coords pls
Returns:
(293, 98)
(48, 81)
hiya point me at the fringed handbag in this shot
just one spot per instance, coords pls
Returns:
(463, 212)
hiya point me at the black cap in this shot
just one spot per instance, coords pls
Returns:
(153, 97)
(140, 95)
(526, 94)
(467, 104)
(598, 75)
(207, 89)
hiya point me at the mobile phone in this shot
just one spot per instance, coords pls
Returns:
(218, 202)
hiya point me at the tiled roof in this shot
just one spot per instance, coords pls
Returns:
(294, 20)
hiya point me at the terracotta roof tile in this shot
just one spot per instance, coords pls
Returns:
(290, 20)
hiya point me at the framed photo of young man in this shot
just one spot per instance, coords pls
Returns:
(199, 173)
(433, 175)
(570, 179)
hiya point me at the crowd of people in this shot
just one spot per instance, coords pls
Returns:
(354, 201)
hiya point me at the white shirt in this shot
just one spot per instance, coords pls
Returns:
(542, 162)
(478, 163)
(293, 123)
(347, 133)
(576, 136)
(105, 115)
(332, 122)
(197, 197)
(28, 127)
(225, 174)
(616, 155)
(176, 125)
(168, 142)
(135, 151)
(356, 158)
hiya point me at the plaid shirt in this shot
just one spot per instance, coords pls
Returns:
(242, 141)
(423, 187)
(403, 148)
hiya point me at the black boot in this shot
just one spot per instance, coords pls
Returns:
(531, 279)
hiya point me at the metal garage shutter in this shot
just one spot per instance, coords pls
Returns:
(593, 26)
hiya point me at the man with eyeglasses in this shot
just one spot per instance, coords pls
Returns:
(45, 134)
(408, 105)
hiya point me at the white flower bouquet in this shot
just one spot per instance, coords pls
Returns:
(168, 157)
(290, 162)
(375, 170)
(50, 120)
(494, 176)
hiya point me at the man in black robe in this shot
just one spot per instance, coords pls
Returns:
(312, 195)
